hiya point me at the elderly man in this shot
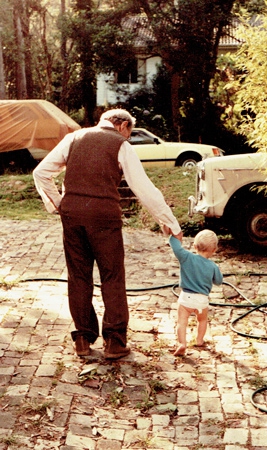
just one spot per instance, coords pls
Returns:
(95, 159)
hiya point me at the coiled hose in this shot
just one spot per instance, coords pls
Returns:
(249, 304)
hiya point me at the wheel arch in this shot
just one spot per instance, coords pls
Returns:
(187, 155)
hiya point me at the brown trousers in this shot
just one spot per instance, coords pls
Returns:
(84, 245)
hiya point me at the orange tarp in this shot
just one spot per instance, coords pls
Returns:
(32, 124)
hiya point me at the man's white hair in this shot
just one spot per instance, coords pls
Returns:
(118, 115)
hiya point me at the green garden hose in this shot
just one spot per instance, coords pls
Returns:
(249, 304)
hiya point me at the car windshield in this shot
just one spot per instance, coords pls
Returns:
(141, 137)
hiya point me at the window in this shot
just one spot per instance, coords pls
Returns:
(140, 137)
(128, 74)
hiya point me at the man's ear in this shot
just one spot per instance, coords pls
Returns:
(124, 125)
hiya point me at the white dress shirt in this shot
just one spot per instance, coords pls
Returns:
(134, 173)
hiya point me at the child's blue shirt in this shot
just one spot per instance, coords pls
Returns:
(197, 274)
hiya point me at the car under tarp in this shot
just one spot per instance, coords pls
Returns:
(35, 125)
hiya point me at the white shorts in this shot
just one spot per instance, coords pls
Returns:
(193, 300)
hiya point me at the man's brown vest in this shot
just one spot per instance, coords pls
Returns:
(93, 175)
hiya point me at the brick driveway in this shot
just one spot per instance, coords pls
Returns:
(148, 400)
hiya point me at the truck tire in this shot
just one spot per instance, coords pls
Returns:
(251, 226)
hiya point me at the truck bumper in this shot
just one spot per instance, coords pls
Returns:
(191, 205)
(195, 208)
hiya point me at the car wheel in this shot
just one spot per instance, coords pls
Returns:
(251, 226)
(189, 163)
(188, 160)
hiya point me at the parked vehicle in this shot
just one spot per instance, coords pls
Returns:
(29, 129)
(232, 190)
(154, 151)
(31, 126)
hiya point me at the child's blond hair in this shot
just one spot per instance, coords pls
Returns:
(205, 240)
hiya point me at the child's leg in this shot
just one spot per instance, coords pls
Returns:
(202, 319)
(182, 320)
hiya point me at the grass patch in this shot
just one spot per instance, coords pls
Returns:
(257, 382)
(117, 397)
(176, 185)
(19, 199)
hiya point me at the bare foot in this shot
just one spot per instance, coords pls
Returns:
(201, 344)
(180, 351)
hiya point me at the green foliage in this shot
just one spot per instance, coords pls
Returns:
(97, 41)
(151, 106)
(117, 397)
(110, 43)
(248, 93)
(67, 49)
(226, 119)
(252, 6)
(220, 94)
(179, 97)
(8, 47)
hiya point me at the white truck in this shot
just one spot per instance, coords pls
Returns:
(233, 191)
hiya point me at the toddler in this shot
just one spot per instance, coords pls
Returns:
(197, 275)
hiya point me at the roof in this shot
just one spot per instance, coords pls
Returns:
(229, 38)
(144, 37)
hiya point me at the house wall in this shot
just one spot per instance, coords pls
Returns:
(109, 92)
(226, 49)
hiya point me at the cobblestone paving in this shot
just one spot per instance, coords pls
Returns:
(50, 399)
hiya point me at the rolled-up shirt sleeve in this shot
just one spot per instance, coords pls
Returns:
(150, 196)
(51, 166)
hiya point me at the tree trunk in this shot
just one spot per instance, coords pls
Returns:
(27, 49)
(64, 56)
(48, 58)
(2, 71)
(175, 84)
(89, 97)
(21, 85)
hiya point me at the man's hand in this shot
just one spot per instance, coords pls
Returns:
(179, 236)
(167, 232)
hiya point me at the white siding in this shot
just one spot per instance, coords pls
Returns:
(151, 67)
(106, 95)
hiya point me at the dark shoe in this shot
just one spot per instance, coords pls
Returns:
(82, 346)
(114, 350)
